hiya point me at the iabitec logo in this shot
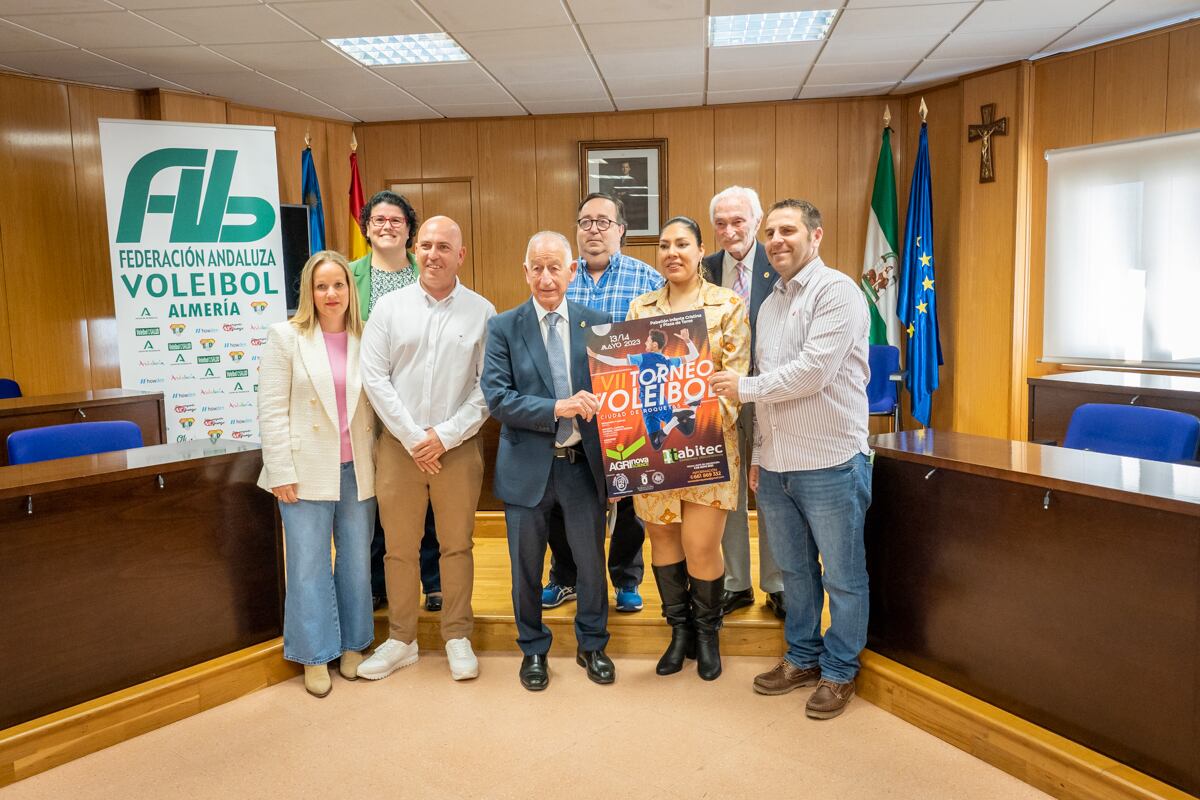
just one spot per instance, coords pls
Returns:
(198, 208)
(230, 327)
(672, 456)
(207, 343)
(178, 328)
(259, 306)
(186, 422)
(214, 434)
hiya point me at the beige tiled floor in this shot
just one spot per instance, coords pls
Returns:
(418, 734)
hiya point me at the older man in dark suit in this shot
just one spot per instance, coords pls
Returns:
(537, 384)
(741, 264)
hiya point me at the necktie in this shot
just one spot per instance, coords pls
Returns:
(741, 286)
(558, 371)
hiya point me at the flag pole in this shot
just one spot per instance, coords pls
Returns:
(887, 116)
(924, 110)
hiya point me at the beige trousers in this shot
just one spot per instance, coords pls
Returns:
(404, 493)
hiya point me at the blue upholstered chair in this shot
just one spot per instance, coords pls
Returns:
(1155, 434)
(883, 393)
(74, 439)
(9, 388)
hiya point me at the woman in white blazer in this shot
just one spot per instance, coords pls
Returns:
(318, 459)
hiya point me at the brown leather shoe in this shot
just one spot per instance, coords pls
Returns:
(829, 699)
(785, 677)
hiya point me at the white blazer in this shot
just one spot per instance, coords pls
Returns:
(298, 419)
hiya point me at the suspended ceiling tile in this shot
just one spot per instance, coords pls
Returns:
(186, 58)
(627, 11)
(9, 8)
(723, 8)
(558, 91)
(273, 57)
(659, 101)
(1143, 12)
(764, 56)
(662, 62)
(391, 113)
(632, 86)
(537, 68)
(845, 90)
(484, 45)
(471, 94)
(101, 29)
(349, 87)
(1015, 15)
(71, 65)
(751, 95)
(509, 109)
(750, 79)
(431, 75)
(233, 25)
(944, 69)
(901, 21)
(621, 37)
(341, 19)
(458, 16)
(860, 49)
(877, 72)
(139, 5)
(1014, 44)
(14, 39)
(568, 106)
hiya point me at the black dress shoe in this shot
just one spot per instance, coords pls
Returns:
(775, 604)
(433, 602)
(599, 667)
(732, 601)
(535, 672)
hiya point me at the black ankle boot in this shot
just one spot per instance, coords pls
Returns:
(672, 580)
(706, 610)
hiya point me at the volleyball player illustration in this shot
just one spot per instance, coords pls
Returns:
(659, 417)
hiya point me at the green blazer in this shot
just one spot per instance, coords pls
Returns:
(361, 270)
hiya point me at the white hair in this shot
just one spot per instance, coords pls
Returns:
(555, 235)
(739, 193)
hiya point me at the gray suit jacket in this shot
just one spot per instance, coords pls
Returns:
(762, 281)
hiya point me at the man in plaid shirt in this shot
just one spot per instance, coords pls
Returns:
(606, 281)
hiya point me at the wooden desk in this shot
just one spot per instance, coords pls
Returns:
(120, 567)
(1053, 398)
(101, 405)
(1060, 585)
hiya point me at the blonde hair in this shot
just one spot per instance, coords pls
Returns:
(305, 318)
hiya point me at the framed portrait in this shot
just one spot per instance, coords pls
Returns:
(635, 171)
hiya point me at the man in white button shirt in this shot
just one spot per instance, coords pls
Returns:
(811, 470)
(741, 264)
(422, 354)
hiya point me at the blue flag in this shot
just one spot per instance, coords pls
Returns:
(916, 305)
(311, 191)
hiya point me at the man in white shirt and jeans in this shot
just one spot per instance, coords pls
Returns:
(422, 355)
(811, 469)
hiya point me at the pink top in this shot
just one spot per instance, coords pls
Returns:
(335, 346)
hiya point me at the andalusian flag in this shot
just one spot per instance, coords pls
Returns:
(358, 245)
(880, 270)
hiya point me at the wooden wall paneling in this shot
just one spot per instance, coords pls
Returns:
(7, 369)
(1131, 89)
(743, 153)
(450, 149)
(164, 104)
(806, 163)
(413, 193)
(507, 218)
(453, 199)
(623, 126)
(45, 296)
(386, 153)
(689, 136)
(1018, 399)
(289, 148)
(983, 286)
(557, 140)
(860, 127)
(87, 106)
(337, 196)
(1062, 116)
(646, 252)
(945, 159)
(1183, 79)
(244, 115)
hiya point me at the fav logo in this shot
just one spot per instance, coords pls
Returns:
(199, 208)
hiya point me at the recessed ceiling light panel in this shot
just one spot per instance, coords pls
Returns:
(416, 48)
(785, 26)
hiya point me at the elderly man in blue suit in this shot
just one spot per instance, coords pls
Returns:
(537, 384)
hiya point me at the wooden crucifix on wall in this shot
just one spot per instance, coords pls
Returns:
(985, 131)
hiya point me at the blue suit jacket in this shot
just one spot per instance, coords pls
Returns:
(762, 280)
(519, 390)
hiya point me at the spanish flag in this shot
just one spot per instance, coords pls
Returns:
(358, 245)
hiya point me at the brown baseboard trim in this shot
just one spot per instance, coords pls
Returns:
(46, 742)
(1044, 760)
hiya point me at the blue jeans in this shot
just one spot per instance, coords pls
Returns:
(328, 611)
(815, 513)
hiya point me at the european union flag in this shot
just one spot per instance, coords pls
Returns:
(311, 192)
(916, 305)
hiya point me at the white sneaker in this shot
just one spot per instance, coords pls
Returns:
(463, 664)
(387, 658)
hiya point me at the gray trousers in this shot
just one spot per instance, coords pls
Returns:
(735, 544)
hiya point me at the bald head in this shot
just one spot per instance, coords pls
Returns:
(440, 253)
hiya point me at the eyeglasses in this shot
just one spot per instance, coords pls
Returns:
(602, 224)
(387, 222)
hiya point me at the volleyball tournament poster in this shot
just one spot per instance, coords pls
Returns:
(660, 423)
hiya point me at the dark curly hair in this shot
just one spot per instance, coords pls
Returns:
(392, 199)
